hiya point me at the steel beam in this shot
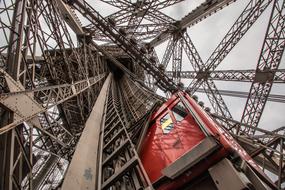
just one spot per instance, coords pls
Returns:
(119, 4)
(204, 10)
(240, 94)
(70, 17)
(270, 59)
(149, 10)
(14, 59)
(262, 146)
(244, 22)
(177, 60)
(209, 86)
(47, 82)
(160, 4)
(83, 170)
(235, 75)
(216, 99)
(26, 108)
(119, 164)
(130, 48)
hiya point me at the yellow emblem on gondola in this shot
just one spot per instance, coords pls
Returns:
(166, 124)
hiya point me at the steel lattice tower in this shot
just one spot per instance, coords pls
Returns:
(72, 80)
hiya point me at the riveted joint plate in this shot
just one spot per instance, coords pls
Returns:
(263, 77)
(202, 75)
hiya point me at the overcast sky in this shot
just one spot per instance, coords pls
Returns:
(206, 35)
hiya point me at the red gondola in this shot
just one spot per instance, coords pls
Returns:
(184, 143)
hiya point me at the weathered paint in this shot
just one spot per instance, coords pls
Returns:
(82, 171)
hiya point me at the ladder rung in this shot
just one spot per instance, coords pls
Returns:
(116, 152)
(126, 167)
(115, 137)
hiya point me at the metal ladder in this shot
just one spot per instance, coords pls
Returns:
(119, 163)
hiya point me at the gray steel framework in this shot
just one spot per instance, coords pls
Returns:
(52, 71)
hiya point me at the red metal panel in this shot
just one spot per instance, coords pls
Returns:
(222, 135)
(163, 146)
(160, 150)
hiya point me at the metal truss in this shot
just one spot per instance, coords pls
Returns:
(270, 58)
(177, 60)
(168, 52)
(209, 86)
(242, 24)
(126, 44)
(201, 12)
(239, 94)
(235, 75)
(216, 100)
(48, 97)
(247, 18)
(52, 72)
(159, 4)
(135, 12)
(48, 87)
(262, 146)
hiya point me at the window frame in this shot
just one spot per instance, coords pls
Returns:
(169, 111)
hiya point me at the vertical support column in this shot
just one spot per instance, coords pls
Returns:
(177, 58)
(83, 169)
(5, 148)
(269, 60)
(16, 36)
(12, 173)
(11, 159)
(280, 169)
